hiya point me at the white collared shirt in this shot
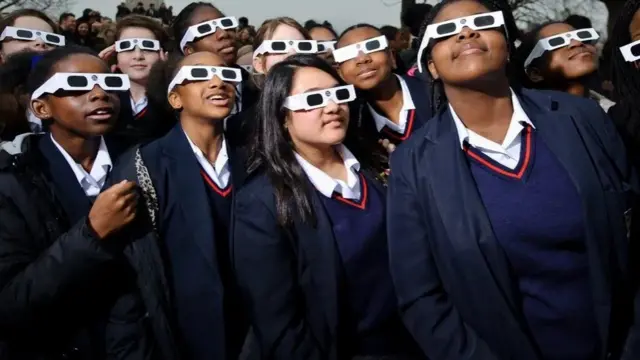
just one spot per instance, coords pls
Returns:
(140, 105)
(327, 185)
(218, 171)
(407, 105)
(91, 182)
(507, 153)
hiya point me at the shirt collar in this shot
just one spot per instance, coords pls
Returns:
(221, 160)
(101, 165)
(324, 183)
(407, 104)
(137, 107)
(519, 116)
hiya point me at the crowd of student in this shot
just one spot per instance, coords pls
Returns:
(321, 196)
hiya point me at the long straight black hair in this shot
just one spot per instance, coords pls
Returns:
(273, 150)
(439, 99)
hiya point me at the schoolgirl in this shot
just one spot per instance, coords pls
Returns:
(392, 106)
(60, 268)
(556, 56)
(28, 29)
(625, 76)
(309, 228)
(200, 26)
(140, 43)
(188, 179)
(326, 37)
(507, 237)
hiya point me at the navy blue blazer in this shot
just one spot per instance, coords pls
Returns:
(291, 278)
(188, 222)
(421, 99)
(452, 278)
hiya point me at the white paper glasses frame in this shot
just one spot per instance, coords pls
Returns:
(326, 46)
(317, 99)
(448, 28)
(554, 42)
(82, 82)
(284, 46)
(207, 28)
(142, 44)
(205, 73)
(367, 46)
(29, 35)
(631, 51)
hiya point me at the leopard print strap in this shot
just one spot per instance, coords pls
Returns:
(148, 191)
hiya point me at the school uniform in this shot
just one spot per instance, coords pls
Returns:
(139, 123)
(240, 124)
(180, 249)
(515, 250)
(415, 112)
(319, 291)
(59, 281)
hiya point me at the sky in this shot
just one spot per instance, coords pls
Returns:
(344, 13)
(341, 13)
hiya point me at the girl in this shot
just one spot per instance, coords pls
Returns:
(278, 39)
(28, 29)
(188, 179)
(140, 43)
(59, 251)
(16, 117)
(200, 26)
(326, 38)
(556, 56)
(393, 106)
(309, 231)
(84, 34)
(219, 38)
(479, 275)
(626, 77)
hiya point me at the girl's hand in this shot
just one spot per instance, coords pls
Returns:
(107, 52)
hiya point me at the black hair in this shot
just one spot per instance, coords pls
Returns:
(160, 76)
(64, 16)
(43, 68)
(624, 75)
(439, 98)
(14, 100)
(182, 21)
(578, 22)
(529, 41)
(413, 16)
(323, 26)
(390, 32)
(273, 151)
(243, 21)
(358, 26)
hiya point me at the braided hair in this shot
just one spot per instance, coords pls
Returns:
(625, 77)
(436, 87)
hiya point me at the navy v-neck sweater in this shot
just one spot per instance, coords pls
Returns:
(537, 218)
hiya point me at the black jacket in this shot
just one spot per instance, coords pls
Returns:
(58, 282)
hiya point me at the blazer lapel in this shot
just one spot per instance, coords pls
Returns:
(69, 192)
(467, 223)
(185, 178)
(237, 159)
(560, 134)
(421, 100)
(324, 261)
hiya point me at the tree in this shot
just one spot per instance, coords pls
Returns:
(51, 7)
